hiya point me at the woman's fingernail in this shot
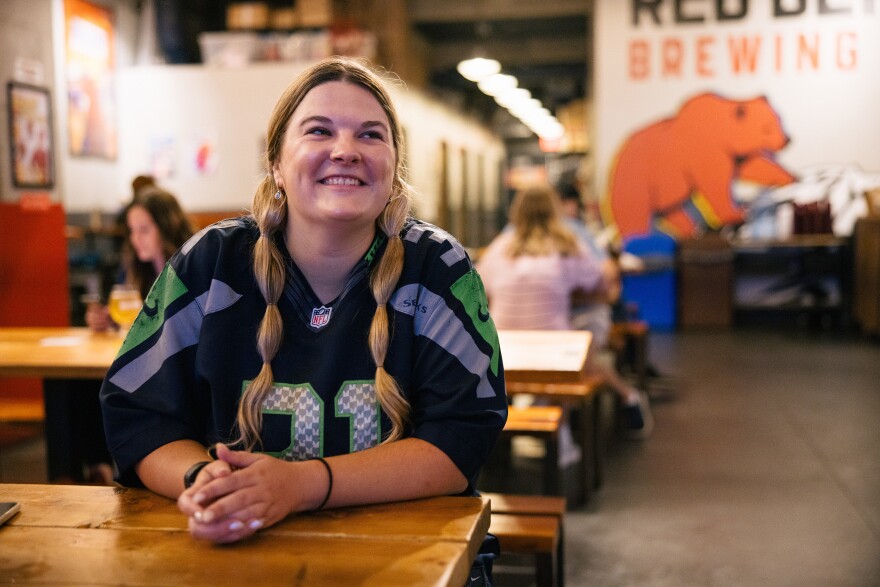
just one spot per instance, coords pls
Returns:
(199, 497)
(207, 516)
(236, 526)
(255, 524)
(198, 516)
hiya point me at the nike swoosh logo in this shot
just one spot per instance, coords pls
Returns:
(151, 312)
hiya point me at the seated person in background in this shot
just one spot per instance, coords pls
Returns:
(140, 182)
(329, 342)
(155, 227)
(598, 315)
(591, 311)
(530, 273)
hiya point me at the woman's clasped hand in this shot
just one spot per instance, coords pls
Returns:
(240, 492)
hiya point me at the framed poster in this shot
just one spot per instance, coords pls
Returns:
(91, 109)
(30, 135)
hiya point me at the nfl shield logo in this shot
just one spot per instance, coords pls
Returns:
(320, 316)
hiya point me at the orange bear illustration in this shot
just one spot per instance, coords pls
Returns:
(694, 157)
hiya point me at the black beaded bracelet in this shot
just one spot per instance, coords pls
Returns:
(329, 485)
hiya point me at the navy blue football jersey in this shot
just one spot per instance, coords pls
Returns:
(192, 351)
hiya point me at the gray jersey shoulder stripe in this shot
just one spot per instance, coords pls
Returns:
(414, 234)
(453, 255)
(440, 324)
(179, 331)
(219, 297)
(450, 257)
(189, 244)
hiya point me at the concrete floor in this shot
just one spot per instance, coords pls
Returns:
(763, 469)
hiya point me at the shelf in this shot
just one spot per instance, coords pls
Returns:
(792, 242)
(804, 275)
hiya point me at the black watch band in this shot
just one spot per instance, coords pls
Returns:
(190, 476)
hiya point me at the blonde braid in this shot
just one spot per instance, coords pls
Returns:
(382, 281)
(270, 215)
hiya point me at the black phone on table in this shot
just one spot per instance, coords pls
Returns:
(7, 510)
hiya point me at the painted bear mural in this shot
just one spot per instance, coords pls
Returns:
(693, 159)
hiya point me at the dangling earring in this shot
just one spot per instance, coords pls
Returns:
(278, 194)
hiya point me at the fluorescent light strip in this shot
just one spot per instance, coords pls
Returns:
(518, 101)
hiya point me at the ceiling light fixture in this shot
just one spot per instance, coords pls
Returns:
(510, 98)
(478, 68)
(497, 83)
(486, 73)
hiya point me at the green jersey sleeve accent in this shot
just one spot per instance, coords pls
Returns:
(469, 291)
(167, 288)
(371, 253)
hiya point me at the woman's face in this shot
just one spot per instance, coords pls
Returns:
(146, 240)
(337, 158)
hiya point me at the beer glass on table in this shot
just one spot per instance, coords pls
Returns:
(125, 303)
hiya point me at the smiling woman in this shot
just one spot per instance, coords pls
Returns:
(373, 377)
(336, 167)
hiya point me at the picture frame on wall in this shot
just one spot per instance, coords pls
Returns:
(30, 136)
(90, 63)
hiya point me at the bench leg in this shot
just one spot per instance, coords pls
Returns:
(545, 569)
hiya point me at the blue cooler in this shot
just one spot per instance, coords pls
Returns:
(653, 291)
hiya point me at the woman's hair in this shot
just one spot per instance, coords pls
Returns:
(271, 216)
(174, 229)
(140, 182)
(536, 216)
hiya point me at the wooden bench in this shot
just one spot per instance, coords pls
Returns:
(591, 439)
(532, 524)
(20, 419)
(541, 422)
(28, 410)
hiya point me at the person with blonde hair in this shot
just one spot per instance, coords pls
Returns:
(531, 272)
(335, 349)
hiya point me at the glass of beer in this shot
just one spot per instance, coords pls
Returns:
(125, 303)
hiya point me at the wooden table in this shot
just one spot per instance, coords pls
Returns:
(57, 353)
(543, 358)
(101, 535)
(71, 362)
(554, 356)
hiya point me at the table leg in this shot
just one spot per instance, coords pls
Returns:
(589, 447)
(640, 342)
(602, 427)
(552, 474)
